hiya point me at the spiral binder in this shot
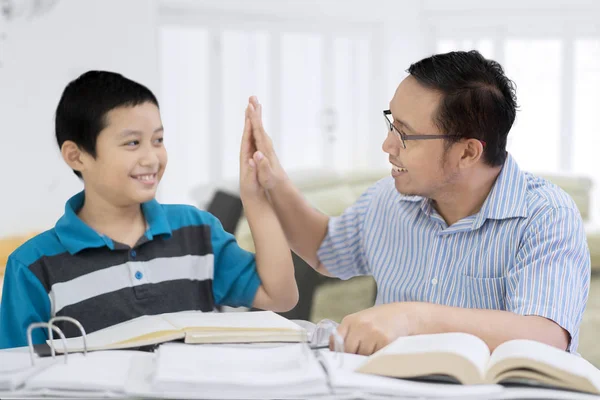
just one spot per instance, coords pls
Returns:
(325, 331)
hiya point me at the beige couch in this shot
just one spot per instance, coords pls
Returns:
(332, 193)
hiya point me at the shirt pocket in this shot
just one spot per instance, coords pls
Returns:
(485, 293)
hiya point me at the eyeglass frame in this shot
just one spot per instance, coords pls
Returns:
(403, 137)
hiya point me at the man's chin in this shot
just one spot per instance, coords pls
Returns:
(405, 190)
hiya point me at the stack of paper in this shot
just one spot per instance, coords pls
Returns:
(16, 368)
(95, 375)
(219, 371)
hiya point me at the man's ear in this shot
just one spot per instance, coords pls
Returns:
(73, 156)
(472, 152)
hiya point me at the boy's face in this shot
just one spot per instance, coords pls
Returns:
(130, 156)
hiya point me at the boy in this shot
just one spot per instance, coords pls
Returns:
(117, 254)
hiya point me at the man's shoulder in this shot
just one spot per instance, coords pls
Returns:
(45, 244)
(543, 196)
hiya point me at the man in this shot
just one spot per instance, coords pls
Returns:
(458, 239)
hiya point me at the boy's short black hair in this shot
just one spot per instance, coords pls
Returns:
(478, 100)
(85, 102)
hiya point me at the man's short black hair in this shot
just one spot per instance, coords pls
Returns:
(86, 101)
(478, 100)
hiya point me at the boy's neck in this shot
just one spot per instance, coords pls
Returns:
(125, 224)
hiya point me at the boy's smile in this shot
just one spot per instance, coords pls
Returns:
(146, 179)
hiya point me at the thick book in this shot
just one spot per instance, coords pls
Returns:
(466, 359)
(192, 327)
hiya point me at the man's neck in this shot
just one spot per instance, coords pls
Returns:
(125, 224)
(467, 197)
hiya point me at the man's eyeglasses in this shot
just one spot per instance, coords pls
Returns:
(387, 114)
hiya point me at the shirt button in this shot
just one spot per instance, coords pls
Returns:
(133, 254)
(139, 275)
(434, 281)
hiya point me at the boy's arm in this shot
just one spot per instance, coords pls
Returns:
(304, 227)
(278, 290)
(24, 301)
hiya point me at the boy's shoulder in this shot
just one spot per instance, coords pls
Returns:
(45, 244)
(183, 215)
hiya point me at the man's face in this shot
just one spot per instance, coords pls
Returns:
(130, 156)
(423, 168)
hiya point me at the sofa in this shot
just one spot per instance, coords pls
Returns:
(332, 193)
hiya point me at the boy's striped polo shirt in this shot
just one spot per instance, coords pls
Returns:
(185, 261)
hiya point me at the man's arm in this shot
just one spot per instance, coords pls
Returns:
(370, 330)
(493, 326)
(304, 227)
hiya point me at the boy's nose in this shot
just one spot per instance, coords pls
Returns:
(149, 159)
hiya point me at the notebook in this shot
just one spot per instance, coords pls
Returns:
(234, 372)
(466, 359)
(194, 327)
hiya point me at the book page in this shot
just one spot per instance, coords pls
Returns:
(521, 354)
(468, 346)
(435, 354)
(259, 320)
(148, 327)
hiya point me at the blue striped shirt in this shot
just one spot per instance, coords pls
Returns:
(525, 251)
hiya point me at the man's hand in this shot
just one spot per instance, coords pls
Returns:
(367, 331)
(270, 172)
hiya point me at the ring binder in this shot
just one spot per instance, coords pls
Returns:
(51, 328)
(74, 322)
(327, 328)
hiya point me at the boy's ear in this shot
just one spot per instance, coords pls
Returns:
(72, 155)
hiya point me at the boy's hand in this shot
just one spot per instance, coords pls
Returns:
(249, 186)
(270, 172)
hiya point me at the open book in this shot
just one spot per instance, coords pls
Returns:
(466, 359)
(194, 327)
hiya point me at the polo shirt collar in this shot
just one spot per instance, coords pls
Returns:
(76, 235)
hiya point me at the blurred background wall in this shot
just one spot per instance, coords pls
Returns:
(323, 70)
